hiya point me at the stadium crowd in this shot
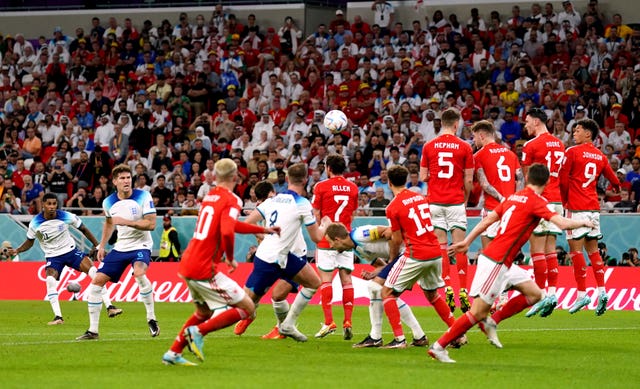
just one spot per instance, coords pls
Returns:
(172, 99)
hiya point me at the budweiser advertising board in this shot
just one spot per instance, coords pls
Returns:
(25, 281)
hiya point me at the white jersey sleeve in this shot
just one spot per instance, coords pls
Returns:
(369, 245)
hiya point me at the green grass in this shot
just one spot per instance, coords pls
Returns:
(561, 351)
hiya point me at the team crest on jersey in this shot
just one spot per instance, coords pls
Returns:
(366, 233)
(134, 211)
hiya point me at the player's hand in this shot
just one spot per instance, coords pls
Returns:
(12, 252)
(92, 253)
(589, 224)
(324, 222)
(460, 247)
(386, 234)
(368, 275)
(100, 254)
(273, 230)
(233, 265)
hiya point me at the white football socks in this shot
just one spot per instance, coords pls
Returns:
(94, 299)
(300, 302)
(52, 295)
(376, 310)
(105, 292)
(146, 295)
(281, 309)
(408, 318)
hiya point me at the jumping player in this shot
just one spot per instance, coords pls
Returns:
(447, 167)
(583, 165)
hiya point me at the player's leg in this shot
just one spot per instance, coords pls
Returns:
(347, 294)
(537, 243)
(140, 265)
(86, 266)
(597, 266)
(202, 312)
(301, 272)
(325, 261)
(53, 275)
(486, 287)
(576, 246)
(262, 277)
(94, 297)
(462, 263)
(280, 305)
(530, 293)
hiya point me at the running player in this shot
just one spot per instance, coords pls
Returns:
(51, 228)
(583, 165)
(210, 288)
(336, 198)
(519, 214)
(447, 166)
(421, 261)
(370, 243)
(132, 213)
(548, 150)
(285, 258)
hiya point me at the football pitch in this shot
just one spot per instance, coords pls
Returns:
(562, 351)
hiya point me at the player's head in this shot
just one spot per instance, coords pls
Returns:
(450, 118)
(483, 131)
(336, 164)
(121, 176)
(398, 176)
(226, 170)
(297, 174)
(49, 203)
(263, 190)
(590, 126)
(338, 237)
(538, 175)
(536, 117)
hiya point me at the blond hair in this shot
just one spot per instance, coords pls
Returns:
(225, 169)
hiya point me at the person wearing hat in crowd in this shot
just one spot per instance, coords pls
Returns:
(169, 242)
(340, 20)
(615, 117)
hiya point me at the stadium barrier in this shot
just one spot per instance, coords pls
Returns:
(25, 281)
(619, 232)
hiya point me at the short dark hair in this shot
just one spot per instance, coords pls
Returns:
(48, 196)
(336, 230)
(538, 174)
(538, 113)
(589, 125)
(262, 189)
(336, 163)
(450, 117)
(297, 173)
(398, 175)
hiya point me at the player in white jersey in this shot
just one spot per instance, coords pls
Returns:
(132, 212)
(370, 243)
(51, 228)
(284, 257)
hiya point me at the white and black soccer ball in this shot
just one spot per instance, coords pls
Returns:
(335, 121)
(4, 254)
(73, 287)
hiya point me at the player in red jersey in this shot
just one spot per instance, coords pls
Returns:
(421, 261)
(583, 165)
(447, 167)
(336, 198)
(548, 150)
(519, 214)
(498, 172)
(209, 288)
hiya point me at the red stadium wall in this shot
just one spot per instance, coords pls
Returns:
(25, 281)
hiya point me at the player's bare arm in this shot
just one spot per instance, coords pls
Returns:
(520, 181)
(147, 223)
(424, 174)
(26, 245)
(486, 186)
(468, 183)
(395, 243)
(569, 224)
(86, 232)
(316, 233)
(107, 230)
(463, 246)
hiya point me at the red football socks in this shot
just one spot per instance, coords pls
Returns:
(579, 269)
(347, 302)
(540, 269)
(180, 342)
(326, 293)
(393, 314)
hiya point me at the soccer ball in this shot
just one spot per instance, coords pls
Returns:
(4, 254)
(335, 121)
(73, 287)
